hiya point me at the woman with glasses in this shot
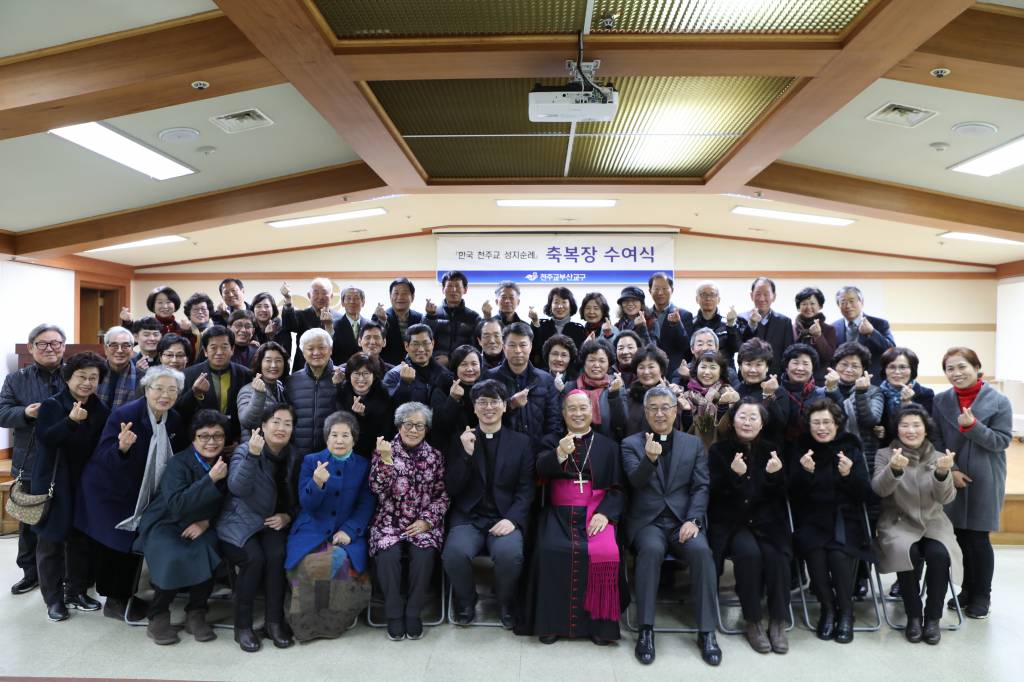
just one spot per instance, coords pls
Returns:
(363, 394)
(174, 351)
(270, 369)
(828, 486)
(175, 536)
(326, 559)
(451, 405)
(407, 477)
(862, 400)
(122, 477)
(900, 388)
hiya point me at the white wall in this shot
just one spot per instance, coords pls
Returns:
(31, 295)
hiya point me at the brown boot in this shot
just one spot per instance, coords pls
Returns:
(160, 629)
(777, 635)
(755, 635)
(196, 625)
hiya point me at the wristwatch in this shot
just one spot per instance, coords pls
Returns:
(697, 522)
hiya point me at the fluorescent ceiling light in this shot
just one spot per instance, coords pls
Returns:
(556, 203)
(994, 161)
(169, 239)
(116, 146)
(329, 218)
(973, 237)
(789, 215)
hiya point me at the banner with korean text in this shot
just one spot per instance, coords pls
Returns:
(543, 258)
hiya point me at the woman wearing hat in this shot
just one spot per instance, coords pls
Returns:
(632, 315)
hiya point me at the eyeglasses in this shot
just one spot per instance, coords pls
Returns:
(414, 426)
(708, 294)
(362, 374)
(43, 345)
(120, 346)
(207, 437)
(899, 368)
(163, 390)
(856, 366)
(420, 344)
(241, 325)
(487, 404)
(659, 409)
(815, 424)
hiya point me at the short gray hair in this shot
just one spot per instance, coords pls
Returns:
(114, 331)
(704, 331)
(324, 282)
(709, 283)
(342, 417)
(315, 333)
(847, 289)
(507, 284)
(659, 392)
(157, 371)
(42, 329)
(357, 290)
(406, 410)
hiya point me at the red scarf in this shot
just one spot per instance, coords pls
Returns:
(966, 397)
(594, 388)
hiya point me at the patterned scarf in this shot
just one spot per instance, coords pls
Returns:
(705, 411)
(594, 388)
(119, 389)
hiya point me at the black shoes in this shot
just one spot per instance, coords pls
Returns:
(26, 584)
(913, 630)
(136, 610)
(826, 624)
(548, 639)
(280, 634)
(82, 602)
(977, 609)
(396, 629)
(645, 645)
(963, 598)
(114, 608)
(600, 641)
(844, 628)
(57, 612)
(161, 631)
(414, 627)
(895, 592)
(709, 649)
(932, 632)
(860, 590)
(464, 614)
(247, 639)
(508, 620)
(196, 625)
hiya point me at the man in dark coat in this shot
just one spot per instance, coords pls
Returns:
(22, 394)
(729, 328)
(214, 383)
(417, 377)
(317, 316)
(534, 407)
(400, 316)
(872, 332)
(670, 322)
(454, 324)
(667, 472)
(764, 323)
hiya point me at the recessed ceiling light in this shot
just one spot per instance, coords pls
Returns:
(975, 128)
(556, 203)
(975, 237)
(994, 161)
(789, 215)
(117, 146)
(329, 218)
(155, 241)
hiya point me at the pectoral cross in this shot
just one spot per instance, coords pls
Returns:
(579, 481)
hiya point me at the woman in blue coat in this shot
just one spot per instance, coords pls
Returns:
(121, 477)
(327, 546)
(68, 428)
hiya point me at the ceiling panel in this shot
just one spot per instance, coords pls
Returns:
(499, 157)
(47, 180)
(849, 143)
(671, 156)
(27, 25)
(369, 19)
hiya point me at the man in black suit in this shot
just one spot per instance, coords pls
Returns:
(489, 477)
(318, 314)
(346, 328)
(670, 321)
(766, 324)
(668, 474)
(400, 316)
(729, 328)
(214, 383)
(872, 332)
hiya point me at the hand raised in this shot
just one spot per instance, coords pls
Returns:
(865, 328)
(321, 474)
(357, 405)
(126, 438)
(774, 464)
(815, 329)
(257, 383)
(560, 381)
(807, 462)
(338, 376)
(78, 413)
(944, 463)
(406, 373)
(201, 386)
(456, 391)
(380, 313)
(32, 410)
(738, 466)
(966, 418)
(730, 317)
(673, 317)
(845, 464)
(729, 396)
(126, 314)
(430, 308)
(534, 318)
(770, 385)
(518, 400)
(652, 448)
(897, 461)
(565, 447)
(831, 379)
(326, 319)
(487, 309)
(863, 382)
(384, 451)
(142, 363)
(906, 394)
(684, 370)
(286, 292)
(271, 329)
(684, 404)
(219, 470)
(256, 444)
(607, 328)
(755, 318)
(468, 439)
(617, 384)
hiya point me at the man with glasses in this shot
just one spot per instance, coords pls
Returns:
(214, 383)
(534, 407)
(874, 333)
(122, 380)
(22, 394)
(488, 337)
(668, 474)
(318, 315)
(670, 321)
(729, 328)
(489, 478)
(417, 377)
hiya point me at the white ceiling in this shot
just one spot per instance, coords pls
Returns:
(703, 213)
(45, 179)
(1006, 3)
(849, 143)
(27, 25)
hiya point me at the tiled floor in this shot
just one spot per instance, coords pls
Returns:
(89, 645)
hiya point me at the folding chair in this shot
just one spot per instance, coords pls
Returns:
(376, 599)
(632, 627)
(735, 602)
(903, 626)
(480, 561)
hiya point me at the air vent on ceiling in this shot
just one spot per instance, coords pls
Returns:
(902, 115)
(241, 121)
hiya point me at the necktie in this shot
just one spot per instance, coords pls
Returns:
(355, 329)
(851, 332)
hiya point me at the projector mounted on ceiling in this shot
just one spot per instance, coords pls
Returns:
(579, 100)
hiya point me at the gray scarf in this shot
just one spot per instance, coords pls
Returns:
(156, 461)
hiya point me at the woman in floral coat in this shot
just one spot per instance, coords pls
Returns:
(407, 476)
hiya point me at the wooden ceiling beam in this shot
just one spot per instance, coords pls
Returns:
(289, 37)
(293, 193)
(887, 201)
(984, 51)
(890, 33)
(126, 73)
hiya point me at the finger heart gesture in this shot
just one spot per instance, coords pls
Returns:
(774, 463)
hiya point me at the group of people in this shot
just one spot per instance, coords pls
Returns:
(562, 449)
